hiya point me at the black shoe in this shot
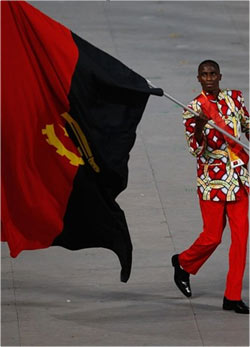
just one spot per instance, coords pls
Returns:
(181, 277)
(237, 306)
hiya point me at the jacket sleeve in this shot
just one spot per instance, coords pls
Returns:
(195, 148)
(245, 123)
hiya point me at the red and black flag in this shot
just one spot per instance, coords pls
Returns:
(69, 118)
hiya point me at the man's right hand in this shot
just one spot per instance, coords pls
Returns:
(200, 123)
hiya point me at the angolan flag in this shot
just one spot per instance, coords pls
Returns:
(69, 118)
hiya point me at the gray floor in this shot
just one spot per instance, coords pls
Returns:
(55, 297)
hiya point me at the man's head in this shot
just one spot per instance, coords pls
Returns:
(209, 76)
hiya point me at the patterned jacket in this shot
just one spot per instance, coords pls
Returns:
(217, 180)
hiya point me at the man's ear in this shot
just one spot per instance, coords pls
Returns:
(220, 77)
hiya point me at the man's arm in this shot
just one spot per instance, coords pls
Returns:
(194, 129)
(245, 122)
(200, 123)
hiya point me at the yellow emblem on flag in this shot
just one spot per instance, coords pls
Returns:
(54, 141)
(83, 148)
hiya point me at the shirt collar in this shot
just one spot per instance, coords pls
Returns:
(210, 96)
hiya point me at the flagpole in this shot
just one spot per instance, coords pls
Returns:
(197, 115)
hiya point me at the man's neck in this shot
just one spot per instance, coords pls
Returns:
(214, 93)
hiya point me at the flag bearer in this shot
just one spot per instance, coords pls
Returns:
(222, 183)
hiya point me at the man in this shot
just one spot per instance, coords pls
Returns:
(222, 183)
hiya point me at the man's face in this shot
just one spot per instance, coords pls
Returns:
(209, 78)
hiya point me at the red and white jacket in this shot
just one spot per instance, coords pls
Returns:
(217, 178)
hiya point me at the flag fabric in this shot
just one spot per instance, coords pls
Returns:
(69, 118)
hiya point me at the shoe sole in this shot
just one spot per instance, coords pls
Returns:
(232, 309)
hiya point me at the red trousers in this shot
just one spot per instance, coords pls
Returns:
(214, 221)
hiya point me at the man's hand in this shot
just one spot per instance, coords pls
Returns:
(200, 122)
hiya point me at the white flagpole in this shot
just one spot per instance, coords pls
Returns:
(197, 115)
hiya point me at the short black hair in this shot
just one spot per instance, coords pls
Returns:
(209, 62)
